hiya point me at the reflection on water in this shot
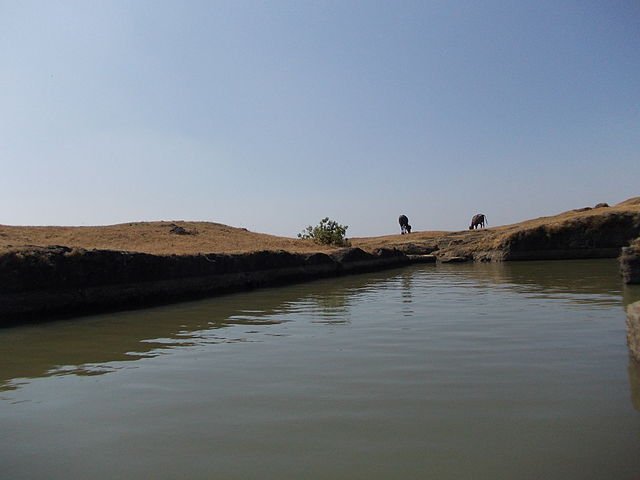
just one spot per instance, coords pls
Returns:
(413, 368)
(574, 281)
(406, 288)
(85, 346)
(634, 382)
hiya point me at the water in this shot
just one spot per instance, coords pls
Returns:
(495, 371)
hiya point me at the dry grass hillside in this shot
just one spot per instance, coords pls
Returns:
(202, 237)
(472, 242)
(152, 237)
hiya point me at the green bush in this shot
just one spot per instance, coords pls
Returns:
(327, 232)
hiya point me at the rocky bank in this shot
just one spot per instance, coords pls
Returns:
(57, 280)
(582, 233)
(633, 330)
(92, 272)
(630, 263)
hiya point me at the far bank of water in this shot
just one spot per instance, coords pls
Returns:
(483, 371)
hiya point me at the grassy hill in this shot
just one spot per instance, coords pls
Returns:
(580, 230)
(152, 237)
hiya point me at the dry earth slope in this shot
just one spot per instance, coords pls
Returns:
(582, 233)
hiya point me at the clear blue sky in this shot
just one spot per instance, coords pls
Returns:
(273, 115)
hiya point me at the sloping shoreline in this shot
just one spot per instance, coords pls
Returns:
(593, 233)
(46, 281)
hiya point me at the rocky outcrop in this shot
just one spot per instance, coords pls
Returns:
(424, 248)
(356, 260)
(453, 259)
(590, 237)
(178, 230)
(633, 330)
(630, 263)
(60, 280)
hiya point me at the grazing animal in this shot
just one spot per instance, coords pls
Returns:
(478, 220)
(404, 224)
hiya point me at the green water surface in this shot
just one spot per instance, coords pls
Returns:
(473, 371)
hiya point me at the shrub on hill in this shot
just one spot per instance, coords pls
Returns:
(327, 232)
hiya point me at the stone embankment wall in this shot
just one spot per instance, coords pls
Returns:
(630, 263)
(41, 282)
(591, 237)
(633, 329)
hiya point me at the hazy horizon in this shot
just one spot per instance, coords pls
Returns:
(273, 115)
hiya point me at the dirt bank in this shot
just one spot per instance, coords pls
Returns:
(581, 233)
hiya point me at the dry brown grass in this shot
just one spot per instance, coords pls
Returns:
(153, 237)
(156, 237)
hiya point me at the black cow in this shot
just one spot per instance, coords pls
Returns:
(478, 220)
(404, 224)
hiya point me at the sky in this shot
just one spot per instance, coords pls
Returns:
(271, 115)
